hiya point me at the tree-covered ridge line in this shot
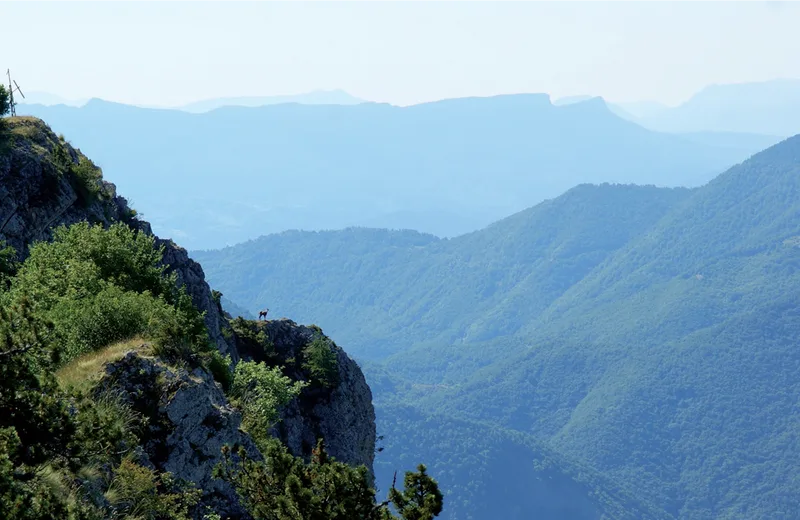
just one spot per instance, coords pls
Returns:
(414, 289)
(648, 333)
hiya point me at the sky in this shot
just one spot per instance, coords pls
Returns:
(172, 53)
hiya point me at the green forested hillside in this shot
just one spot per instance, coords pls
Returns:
(648, 333)
(383, 291)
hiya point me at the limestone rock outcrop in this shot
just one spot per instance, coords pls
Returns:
(189, 420)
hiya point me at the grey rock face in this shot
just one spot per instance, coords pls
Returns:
(189, 421)
(34, 198)
(190, 275)
(342, 415)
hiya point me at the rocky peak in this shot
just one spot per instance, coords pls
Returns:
(189, 420)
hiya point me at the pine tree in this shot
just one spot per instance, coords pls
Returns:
(420, 498)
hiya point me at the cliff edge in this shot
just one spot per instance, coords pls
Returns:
(46, 182)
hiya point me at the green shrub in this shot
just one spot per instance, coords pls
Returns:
(5, 100)
(107, 429)
(84, 254)
(8, 265)
(219, 366)
(284, 487)
(111, 315)
(319, 360)
(253, 336)
(260, 391)
(100, 285)
(87, 179)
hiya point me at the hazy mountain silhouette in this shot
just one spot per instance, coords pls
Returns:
(48, 99)
(640, 109)
(317, 97)
(446, 168)
(769, 107)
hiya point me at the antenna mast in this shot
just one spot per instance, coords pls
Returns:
(13, 87)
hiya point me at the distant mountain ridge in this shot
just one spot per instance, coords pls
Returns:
(766, 107)
(446, 167)
(316, 97)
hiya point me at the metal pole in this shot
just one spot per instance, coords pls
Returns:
(11, 93)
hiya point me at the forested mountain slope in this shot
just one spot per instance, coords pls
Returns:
(684, 345)
(415, 289)
(653, 334)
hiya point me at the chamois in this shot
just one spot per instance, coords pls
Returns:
(263, 313)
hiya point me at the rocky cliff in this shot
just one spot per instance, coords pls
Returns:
(336, 413)
(45, 182)
(189, 420)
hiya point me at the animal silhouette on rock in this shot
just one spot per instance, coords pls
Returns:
(263, 314)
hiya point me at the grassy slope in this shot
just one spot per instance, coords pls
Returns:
(83, 372)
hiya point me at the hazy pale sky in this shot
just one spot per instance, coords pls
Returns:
(170, 53)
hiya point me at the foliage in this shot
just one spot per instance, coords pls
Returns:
(220, 368)
(138, 492)
(253, 337)
(5, 100)
(23, 494)
(50, 441)
(8, 265)
(420, 498)
(99, 286)
(29, 399)
(69, 452)
(284, 487)
(84, 176)
(260, 391)
(319, 360)
(87, 180)
(120, 425)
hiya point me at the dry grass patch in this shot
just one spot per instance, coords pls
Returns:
(83, 372)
